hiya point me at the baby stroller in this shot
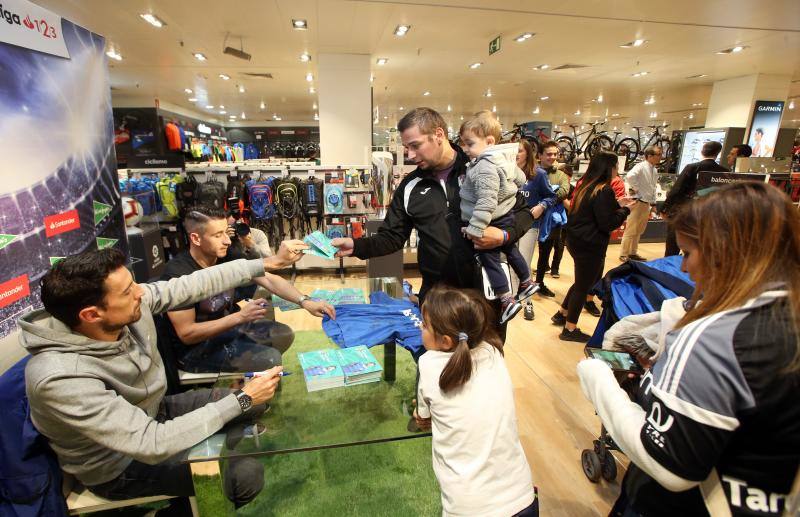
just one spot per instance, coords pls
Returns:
(632, 288)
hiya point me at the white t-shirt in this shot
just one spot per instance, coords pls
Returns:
(477, 456)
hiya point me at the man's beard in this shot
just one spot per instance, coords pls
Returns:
(116, 328)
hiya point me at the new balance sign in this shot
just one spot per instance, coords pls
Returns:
(14, 290)
(61, 223)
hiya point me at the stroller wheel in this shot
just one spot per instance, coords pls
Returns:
(591, 465)
(609, 467)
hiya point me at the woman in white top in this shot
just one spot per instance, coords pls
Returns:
(466, 395)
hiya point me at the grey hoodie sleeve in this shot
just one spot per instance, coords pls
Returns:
(188, 289)
(487, 184)
(85, 406)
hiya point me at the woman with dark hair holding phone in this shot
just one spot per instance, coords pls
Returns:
(715, 426)
(594, 213)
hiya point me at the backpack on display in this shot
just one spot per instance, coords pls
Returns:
(287, 201)
(212, 193)
(261, 198)
(187, 193)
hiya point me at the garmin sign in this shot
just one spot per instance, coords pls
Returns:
(764, 127)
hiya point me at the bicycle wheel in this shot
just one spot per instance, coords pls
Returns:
(566, 149)
(629, 148)
(599, 143)
(664, 143)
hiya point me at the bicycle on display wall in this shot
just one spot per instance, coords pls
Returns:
(633, 149)
(519, 131)
(594, 141)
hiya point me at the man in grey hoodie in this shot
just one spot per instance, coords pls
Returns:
(96, 382)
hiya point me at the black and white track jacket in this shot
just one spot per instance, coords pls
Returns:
(719, 402)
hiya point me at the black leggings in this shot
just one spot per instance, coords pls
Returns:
(545, 247)
(589, 265)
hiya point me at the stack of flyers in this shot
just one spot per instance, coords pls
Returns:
(344, 296)
(320, 245)
(321, 370)
(323, 295)
(283, 305)
(359, 365)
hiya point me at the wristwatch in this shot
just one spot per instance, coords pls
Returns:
(245, 401)
(302, 299)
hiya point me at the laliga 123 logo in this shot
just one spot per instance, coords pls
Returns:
(41, 26)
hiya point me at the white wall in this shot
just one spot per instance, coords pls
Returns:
(731, 103)
(345, 108)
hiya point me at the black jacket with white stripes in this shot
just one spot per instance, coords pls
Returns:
(434, 209)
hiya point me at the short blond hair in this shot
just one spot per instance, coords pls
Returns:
(483, 124)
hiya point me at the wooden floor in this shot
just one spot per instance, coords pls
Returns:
(556, 422)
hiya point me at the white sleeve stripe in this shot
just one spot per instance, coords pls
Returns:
(686, 351)
(696, 413)
(672, 354)
(407, 192)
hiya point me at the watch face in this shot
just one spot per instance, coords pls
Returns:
(244, 401)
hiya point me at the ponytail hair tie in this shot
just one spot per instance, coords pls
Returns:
(462, 336)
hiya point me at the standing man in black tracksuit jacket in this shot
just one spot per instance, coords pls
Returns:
(428, 200)
(685, 188)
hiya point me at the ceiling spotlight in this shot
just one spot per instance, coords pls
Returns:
(577, 112)
(401, 108)
(224, 77)
(192, 99)
(494, 108)
(312, 90)
(639, 74)
(488, 93)
(473, 66)
(221, 107)
(600, 98)
(791, 104)
(381, 61)
(309, 77)
(187, 90)
(241, 88)
(233, 117)
(426, 93)
(153, 20)
(523, 37)
(449, 108)
(697, 76)
(314, 106)
(650, 101)
(262, 105)
(732, 50)
(634, 43)
(696, 104)
(544, 98)
(615, 114)
(242, 115)
(316, 116)
(371, 77)
(401, 30)
(691, 116)
(223, 112)
(536, 110)
(541, 67)
(279, 118)
(198, 56)
(113, 54)
(209, 107)
(304, 57)
(653, 114)
(299, 25)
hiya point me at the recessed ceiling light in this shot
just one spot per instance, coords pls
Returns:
(523, 37)
(475, 65)
(732, 50)
(791, 104)
(650, 101)
(449, 108)
(314, 106)
(209, 107)
(192, 99)
(494, 108)
(615, 114)
(639, 74)
(187, 90)
(541, 67)
(600, 98)
(224, 77)
(299, 25)
(536, 110)
(691, 116)
(312, 90)
(697, 76)
(198, 56)
(462, 117)
(233, 117)
(401, 108)
(221, 107)
(426, 93)
(382, 61)
(223, 112)
(696, 104)
(241, 88)
(113, 54)
(488, 93)
(634, 43)
(243, 117)
(309, 77)
(544, 98)
(316, 116)
(279, 118)
(371, 77)
(653, 114)
(401, 30)
(304, 57)
(153, 20)
(577, 112)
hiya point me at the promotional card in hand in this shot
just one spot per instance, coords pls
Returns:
(320, 245)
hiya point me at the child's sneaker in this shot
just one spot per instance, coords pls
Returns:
(526, 289)
(528, 312)
(509, 308)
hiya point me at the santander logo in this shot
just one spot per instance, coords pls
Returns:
(61, 223)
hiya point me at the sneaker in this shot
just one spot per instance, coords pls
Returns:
(555, 274)
(637, 258)
(528, 312)
(526, 289)
(509, 307)
(559, 319)
(574, 335)
(544, 291)
(591, 308)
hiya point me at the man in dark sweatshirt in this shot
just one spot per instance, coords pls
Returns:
(685, 188)
(96, 383)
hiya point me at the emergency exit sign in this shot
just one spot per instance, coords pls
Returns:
(494, 45)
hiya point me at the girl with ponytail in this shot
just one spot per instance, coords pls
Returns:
(465, 395)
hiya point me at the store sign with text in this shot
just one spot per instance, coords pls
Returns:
(764, 128)
(166, 161)
(61, 223)
(14, 290)
(27, 25)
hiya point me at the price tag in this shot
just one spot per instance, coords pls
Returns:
(311, 173)
(234, 173)
(334, 174)
(284, 173)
